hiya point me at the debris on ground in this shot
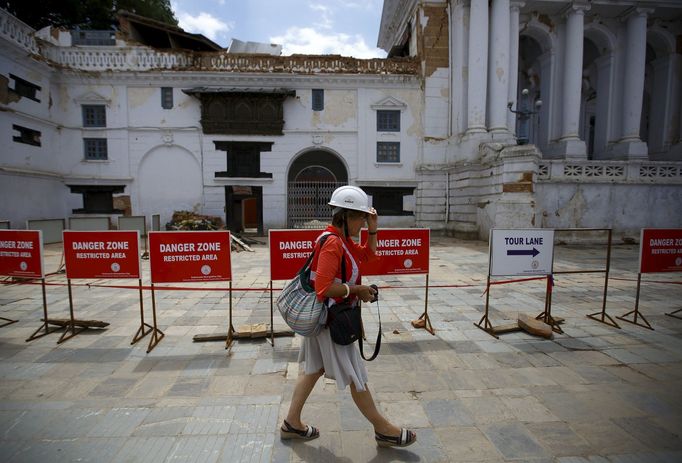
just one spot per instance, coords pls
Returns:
(239, 245)
(533, 326)
(187, 220)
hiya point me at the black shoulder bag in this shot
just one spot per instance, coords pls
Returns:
(345, 321)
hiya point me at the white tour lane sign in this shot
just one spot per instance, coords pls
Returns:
(525, 251)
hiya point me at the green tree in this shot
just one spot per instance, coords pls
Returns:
(86, 14)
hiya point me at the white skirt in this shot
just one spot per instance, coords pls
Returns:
(341, 363)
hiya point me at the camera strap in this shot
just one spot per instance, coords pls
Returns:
(377, 345)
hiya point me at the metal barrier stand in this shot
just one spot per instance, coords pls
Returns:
(45, 325)
(155, 338)
(636, 311)
(598, 316)
(71, 325)
(425, 316)
(546, 315)
(484, 322)
(672, 314)
(8, 320)
(230, 328)
(141, 333)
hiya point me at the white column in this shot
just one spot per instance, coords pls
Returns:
(512, 90)
(478, 66)
(661, 104)
(573, 146)
(498, 68)
(633, 85)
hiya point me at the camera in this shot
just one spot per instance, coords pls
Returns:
(376, 295)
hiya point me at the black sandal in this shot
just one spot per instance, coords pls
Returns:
(289, 432)
(405, 438)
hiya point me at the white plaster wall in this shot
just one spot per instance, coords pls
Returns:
(339, 113)
(408, 137)
(27, 113)
(169, 180)
(144, 105)
(624, 207)
(33, 197)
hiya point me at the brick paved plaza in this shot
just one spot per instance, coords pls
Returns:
(593, 394)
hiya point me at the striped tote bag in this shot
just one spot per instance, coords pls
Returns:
(298, 304)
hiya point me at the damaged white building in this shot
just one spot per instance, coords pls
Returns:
(151, 119)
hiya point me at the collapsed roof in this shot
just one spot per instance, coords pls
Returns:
(157, 34)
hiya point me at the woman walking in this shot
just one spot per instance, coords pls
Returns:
(320, 355)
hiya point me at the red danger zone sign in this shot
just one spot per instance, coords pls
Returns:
(192, 256)
(102, 254)
(660, 250)
(289, 250)
(401, 251)
(21, 253)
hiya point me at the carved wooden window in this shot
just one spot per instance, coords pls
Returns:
(242, 113)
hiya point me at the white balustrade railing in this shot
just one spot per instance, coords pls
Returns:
(14, 30)
(609, 171)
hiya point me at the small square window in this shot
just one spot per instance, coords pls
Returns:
(25, 88)
(28, 136)
(388, 121)
(95, 149)
(167, 97)
(94, 115)
(318, 99)
(388, 151)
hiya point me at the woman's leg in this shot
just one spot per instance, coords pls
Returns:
(365, 402)
(304, 387)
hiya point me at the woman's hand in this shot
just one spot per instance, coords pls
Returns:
(372, 220)
(364, 292)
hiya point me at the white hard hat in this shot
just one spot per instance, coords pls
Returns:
(350, 197)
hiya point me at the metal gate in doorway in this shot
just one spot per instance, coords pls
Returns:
(307, 205)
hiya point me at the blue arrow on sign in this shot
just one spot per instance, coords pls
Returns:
(523, 252)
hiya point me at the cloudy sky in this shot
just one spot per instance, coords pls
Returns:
(344, 27)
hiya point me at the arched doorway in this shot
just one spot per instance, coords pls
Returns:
(313, 176)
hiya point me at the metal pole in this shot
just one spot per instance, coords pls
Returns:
(639, 285)
(141, 333)
(272, 322)
(154, 338)
(45, 325)
(608, 268)
(230, 329)
(636, 313)
(71, 325)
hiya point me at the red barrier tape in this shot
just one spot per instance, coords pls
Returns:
(504, 282)
(649, 281)
(208, 288)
